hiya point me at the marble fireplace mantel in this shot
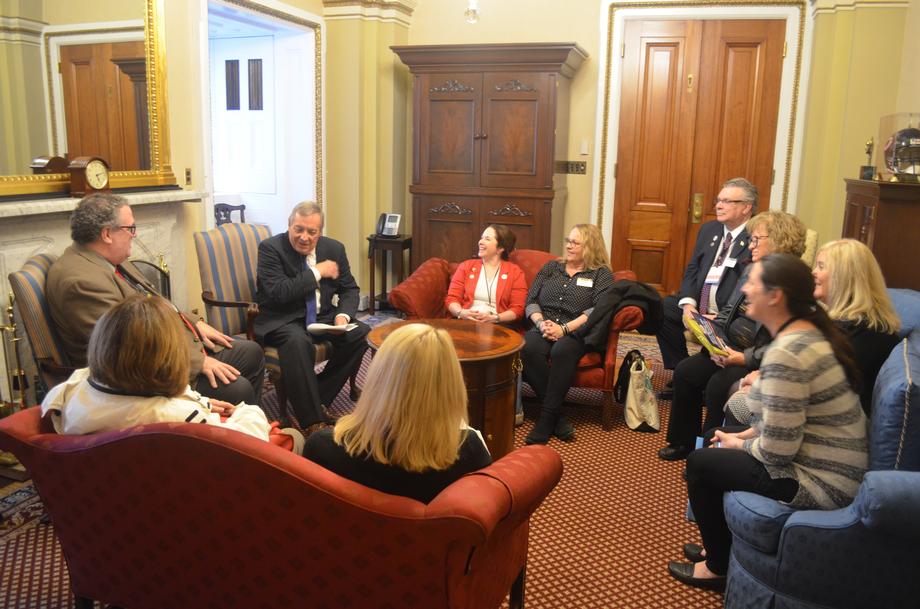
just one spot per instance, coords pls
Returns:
(31, 227)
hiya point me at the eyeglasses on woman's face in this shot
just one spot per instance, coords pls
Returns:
(572, 242)
(755, 239)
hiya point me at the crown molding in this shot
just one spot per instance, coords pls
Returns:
(825, 7)
(388, 11)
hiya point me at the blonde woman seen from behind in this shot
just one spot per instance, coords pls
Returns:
(408, 434)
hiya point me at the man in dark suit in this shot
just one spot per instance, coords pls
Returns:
(718, 259)
(93, 274)
(300, 275)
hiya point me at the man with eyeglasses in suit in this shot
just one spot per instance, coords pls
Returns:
(718, 258)
(93, 274)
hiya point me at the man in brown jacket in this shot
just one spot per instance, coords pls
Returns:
(93, 274)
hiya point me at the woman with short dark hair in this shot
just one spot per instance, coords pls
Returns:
(138, 374)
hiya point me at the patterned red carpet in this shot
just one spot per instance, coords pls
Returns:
(601, 540)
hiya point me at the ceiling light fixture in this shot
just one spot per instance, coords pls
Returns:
(472, 11)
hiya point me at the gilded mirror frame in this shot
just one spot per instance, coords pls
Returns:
(160, 172)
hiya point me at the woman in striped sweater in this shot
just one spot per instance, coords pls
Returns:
(807, 446)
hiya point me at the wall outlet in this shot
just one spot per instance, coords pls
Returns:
(579, 167)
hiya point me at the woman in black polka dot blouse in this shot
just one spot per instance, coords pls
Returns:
(561, 298)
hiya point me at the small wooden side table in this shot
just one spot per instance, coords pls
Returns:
(394, 247)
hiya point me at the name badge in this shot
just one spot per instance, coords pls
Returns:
(584, 282)
(731, 262)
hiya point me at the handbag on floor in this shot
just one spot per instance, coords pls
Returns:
(640, 405)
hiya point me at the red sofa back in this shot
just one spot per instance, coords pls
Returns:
(183, 515)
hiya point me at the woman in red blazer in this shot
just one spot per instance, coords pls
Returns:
(489, 288)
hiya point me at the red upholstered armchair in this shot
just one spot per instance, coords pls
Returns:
(184, 515)
(421, 296)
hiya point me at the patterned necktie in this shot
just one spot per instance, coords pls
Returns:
(720, 260)
(310, 299)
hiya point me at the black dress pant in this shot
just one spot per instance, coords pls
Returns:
(670, 337)
(550, 382)
(712, 471)
(692, 377)
(307, 391)
(247, 357)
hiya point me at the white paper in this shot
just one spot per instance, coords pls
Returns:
(328, 329)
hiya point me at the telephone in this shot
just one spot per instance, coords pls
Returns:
(388, 225)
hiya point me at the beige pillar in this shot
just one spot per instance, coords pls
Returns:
(366, 98)
(854, 81)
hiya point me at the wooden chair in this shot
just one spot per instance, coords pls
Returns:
(28, 286)
(222, 213)
(227, 261)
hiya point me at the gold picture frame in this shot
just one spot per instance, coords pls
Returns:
(160, 172)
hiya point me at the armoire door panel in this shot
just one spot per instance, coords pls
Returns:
(452, 226)
(447, 128)
(525, 217)
(516, 110)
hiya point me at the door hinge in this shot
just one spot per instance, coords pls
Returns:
(773, 179)
(622, 50)
(785, 48)
(615, 167)
(60, 71)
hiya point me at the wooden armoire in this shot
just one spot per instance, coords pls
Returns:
(490, 122)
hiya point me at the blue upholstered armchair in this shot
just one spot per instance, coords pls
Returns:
(864, 555)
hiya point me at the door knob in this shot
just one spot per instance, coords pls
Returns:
(696, 208)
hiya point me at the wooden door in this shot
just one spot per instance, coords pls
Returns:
(105, 105)
(447, 129)
(699, 102)
(517, 130)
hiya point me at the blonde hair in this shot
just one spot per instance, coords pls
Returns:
(857, 287)
(413, 404)
(786, 232)
(595, 252)
(138, 346)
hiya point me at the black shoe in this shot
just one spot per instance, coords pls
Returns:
(683, 572)
(694, 552)
(564, 430)
(542, 431)
(667, 393)
(329, 416)
(674, 453)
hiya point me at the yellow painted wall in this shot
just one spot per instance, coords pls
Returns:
(909, 90)
(855, 72)
(441, 22)
(61, 12)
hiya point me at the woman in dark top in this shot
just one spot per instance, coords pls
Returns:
(408, 434)
(704, 378)
(849, 283)
(561, 298)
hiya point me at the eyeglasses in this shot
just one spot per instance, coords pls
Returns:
(572, 242)
(131, 229)
(755, 239)
(732, 201)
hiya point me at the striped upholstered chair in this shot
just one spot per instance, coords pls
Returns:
(227, 260)
(28, 286)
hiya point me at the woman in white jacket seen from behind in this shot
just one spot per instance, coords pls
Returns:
(138, 374)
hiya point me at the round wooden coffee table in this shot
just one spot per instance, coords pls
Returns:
(488, 358)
